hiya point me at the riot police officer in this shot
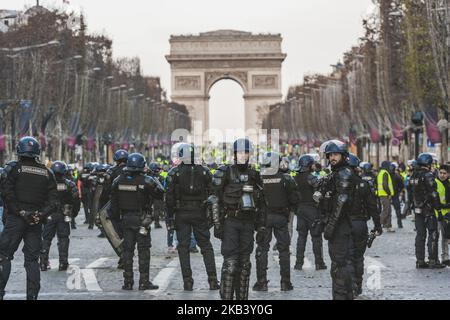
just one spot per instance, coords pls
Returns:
(131, 200)
(426, 200)
(99, 178)
(86, 195)
(368, 176)
(280, 193)
(308, 215)
(158, 205)
(242, 210)
(120, 157)
(188, 188)
(58, 222)
(30, 196)
(364, 206)
(336, 206)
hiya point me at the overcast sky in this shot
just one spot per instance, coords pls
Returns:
(315, 32)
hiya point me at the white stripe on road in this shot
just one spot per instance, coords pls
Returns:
(54, 263)
(162, 279)
(97, 263)
(369, 261)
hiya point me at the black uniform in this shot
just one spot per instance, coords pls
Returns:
(86, 197)
(29, 187)
(426, 200)
(238, 223)
(399, 186)
(68, 205)
(188, 188)
(111, 175)
(364, 206)
(338, 191)
(131, 200)
(158, 205)
(308, 218)
(280, 194)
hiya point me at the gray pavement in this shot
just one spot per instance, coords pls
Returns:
(389, 272)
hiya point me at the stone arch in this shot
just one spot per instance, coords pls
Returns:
(252, 60)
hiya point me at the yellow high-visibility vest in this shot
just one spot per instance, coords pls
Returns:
(441, 191)
(380, 189)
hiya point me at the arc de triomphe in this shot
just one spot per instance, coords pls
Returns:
(252, 60)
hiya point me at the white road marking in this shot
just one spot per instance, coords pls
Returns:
(97, 263)
(369, 261)
(162, 279)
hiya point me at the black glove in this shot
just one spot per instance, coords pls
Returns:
(27, 216)
(37, 217)
(378, 229)
(260, 234)
(218, 231)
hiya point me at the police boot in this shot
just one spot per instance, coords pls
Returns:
(436, 264)
(286, 285)
(261, 285)
(145, 283)
(399, 223)
(420, 264)
(63, 266)
(298, 264)
(188, 284)
(213, 283)
(32, 290)
(128, 281)
(321, 266)
(73, 225)
(43, 262)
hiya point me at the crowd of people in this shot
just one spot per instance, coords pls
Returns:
(236, 200)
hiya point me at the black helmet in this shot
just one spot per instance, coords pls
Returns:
(101, 167)
(386, 165)
(242, 145)
(305, 163)
(336, 146)
(366, 166)
(425, 159)
(88, 167)
(120, 155)
(59, 167)
(154, 167)
(28, 147)
(270, 157)
(136, 163)
(353, 161)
